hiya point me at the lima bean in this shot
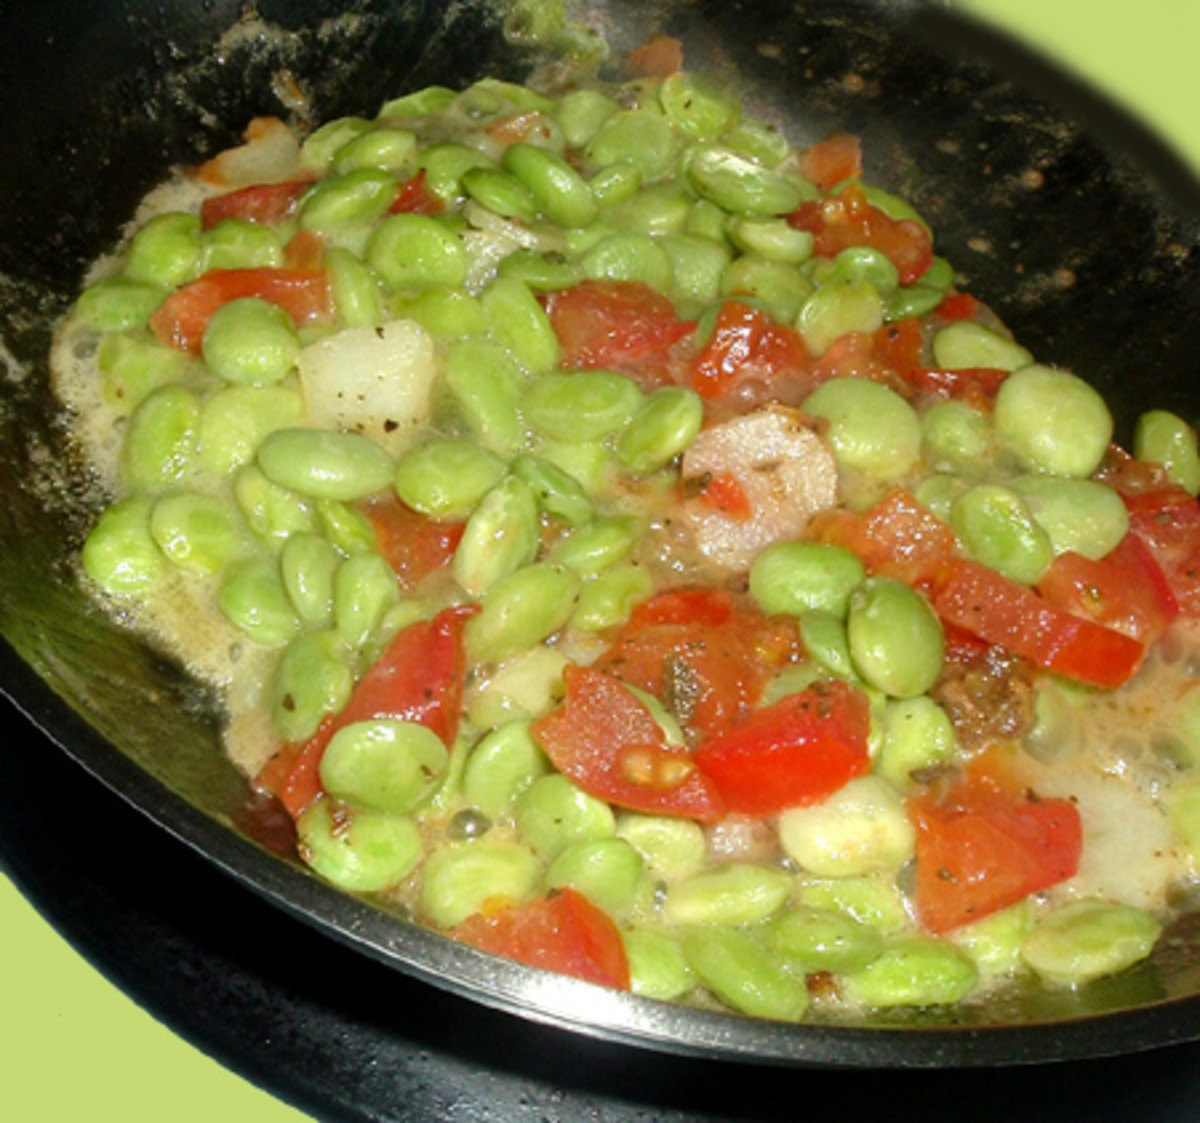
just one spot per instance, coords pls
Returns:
(738, 968)
(360, 850)
(383, 765)
(325, 463)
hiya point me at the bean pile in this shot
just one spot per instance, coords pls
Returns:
(623, 547)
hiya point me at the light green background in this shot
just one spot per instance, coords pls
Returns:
(73, 1047)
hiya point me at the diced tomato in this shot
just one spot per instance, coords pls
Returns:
(853, 355)
(722, 492)
(841, 221)
(266, 203)
(709, 672)
(1002, 612)
(1168, 521)
(745, 340)
(413, 544)
(562, 932)
(838, 157)
(900, 346)
(795, 752)
(707, 608)
(976, 386)
(292, 775)
(181, 319)
(897, 537)
(964, 647)
(414, 197)
(659, 57)
(606, 740)
(418, 678)
(614, 324)
(957, 306)
(304, 251)
(981, 849)
(1125, 590)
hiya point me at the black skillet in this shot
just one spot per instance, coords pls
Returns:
(1092, 267)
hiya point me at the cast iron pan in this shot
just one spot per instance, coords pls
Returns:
(1080, 236)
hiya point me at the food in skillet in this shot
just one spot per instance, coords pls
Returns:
(621, 546)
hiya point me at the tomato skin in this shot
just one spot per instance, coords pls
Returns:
(900, 346)
(181, 319)
(998, 610)
(976, 386)
(1126, 590)
(795, 752)
(606, 741)
(292, 775)
(895, 356)
(957, 306)
(618, 324)
(707, 608)
(745, 340)
(418, 678)
(659, 57)
(836, 158)
(722, 492)
(561, 932)
(839, 222)
(1168, 521)
(897, 537)
(706, 661)
(304, 251)
(266, 203)
(980, 850)
(412, 544)
(414, 197)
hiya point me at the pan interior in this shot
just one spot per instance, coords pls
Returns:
(1080, 237)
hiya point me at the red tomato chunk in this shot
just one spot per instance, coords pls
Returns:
(181, 319)
(706, 661)
(796, 752)
(842, 221)
(418, 678)
(980, 850)
(1002, 612)
(619, 324)
(266, 203)
(605, 740)
(562, 932)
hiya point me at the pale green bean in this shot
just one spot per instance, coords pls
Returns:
(896, 640)
(521, 609)
(552, 813)
(446, 478)
(251, 341)
(737, 967)
(501, 766)
(119, 553)
(459, 880)
(1052, 421)
(161, 442)
(500, 537)
(871, 428)
(325, 463)
(252, 598)
(383, 765)
(608, 871)
(360, 850)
